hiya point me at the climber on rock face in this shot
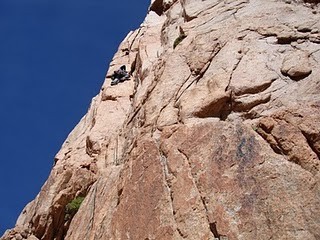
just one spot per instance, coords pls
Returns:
(120, 75)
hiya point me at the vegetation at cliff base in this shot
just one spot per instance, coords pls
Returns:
(72, 207)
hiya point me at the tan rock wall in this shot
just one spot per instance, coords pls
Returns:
(216, 135)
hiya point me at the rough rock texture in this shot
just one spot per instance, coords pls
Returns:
(217, 138)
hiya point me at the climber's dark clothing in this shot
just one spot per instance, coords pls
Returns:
(120, 75)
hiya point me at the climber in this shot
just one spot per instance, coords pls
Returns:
(120, 75)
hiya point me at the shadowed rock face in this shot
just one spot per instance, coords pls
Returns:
(216, 135)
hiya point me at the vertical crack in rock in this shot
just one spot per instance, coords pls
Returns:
(92, 211)
(115, 154)
(166, 176)
(229, 103)
(134, 40)
(214, 53)
(176, 97)
(160, 112)
(135, 112)
(202, 197)
(213, 229)
(149, 90)
(233, 70)
(119, 196)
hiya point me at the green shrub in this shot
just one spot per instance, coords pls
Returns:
(254, 127)
(72, 207)
(179, 40)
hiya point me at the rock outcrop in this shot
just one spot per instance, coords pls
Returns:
(216, 135)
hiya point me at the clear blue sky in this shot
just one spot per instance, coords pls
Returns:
(53, 57)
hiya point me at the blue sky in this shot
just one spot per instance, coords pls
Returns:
(53, 57)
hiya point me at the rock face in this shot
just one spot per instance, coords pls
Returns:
(216, 135)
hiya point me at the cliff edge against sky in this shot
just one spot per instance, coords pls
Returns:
(215, 136)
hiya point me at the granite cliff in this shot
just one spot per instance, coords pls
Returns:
(216, 135)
